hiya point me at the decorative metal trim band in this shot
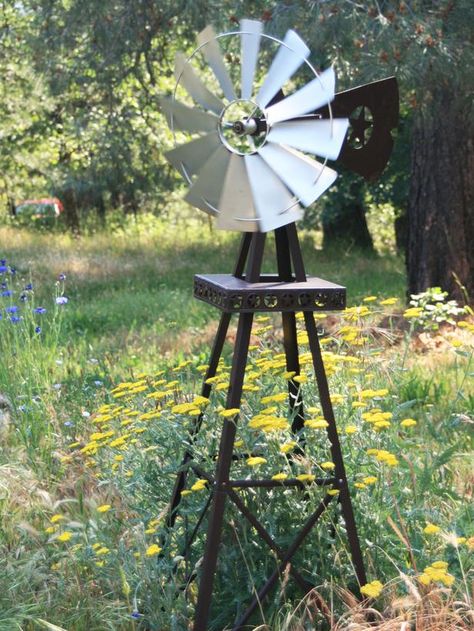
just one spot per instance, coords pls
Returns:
(233, 295)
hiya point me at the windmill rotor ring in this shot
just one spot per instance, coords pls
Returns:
(249, 164)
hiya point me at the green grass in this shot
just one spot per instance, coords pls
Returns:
(132, 290)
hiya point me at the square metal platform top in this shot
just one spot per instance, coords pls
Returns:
(235, 295)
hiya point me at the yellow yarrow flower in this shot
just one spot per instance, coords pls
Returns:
(104, 508)
(316, 423)
(327, 466)
(413, 312)
(306, 477)
(153, 550)
(370, 479)
(431, 529)
(279, 476)
(229, 412)
(55, 518)
(408, 422)
(286, 447)
(388, 301)
(199, 485)
(102, 550)
(372, 589)
(65, 536)
(255, 461)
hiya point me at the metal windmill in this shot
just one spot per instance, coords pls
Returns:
(246, 162)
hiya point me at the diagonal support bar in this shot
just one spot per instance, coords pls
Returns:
(180, 481)
(304, 584)
(263, 591)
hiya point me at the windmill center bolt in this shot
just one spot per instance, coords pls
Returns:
(247, 126)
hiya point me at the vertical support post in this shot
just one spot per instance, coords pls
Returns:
(336, 453)
(289, 331)
(226, 448)
(222, 474)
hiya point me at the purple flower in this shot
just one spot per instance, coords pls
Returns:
(7, 293)
(37, 329)
(12, 309)
(135, 614)
(3, 269)
(24, 298)
(15, 319)
(12, 270)
(61, 300)
(39, 310)
(62, 276)
(3, 261)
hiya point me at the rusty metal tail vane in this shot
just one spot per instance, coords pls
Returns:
(254, 158)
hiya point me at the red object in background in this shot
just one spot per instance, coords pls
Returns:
(51, 206)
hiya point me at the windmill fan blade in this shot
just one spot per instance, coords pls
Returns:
(236, 209)
(274, 204)
(249, 47)
(305, 177)
(184, 118)
(206, 190)
(321, 137)
(190, 157)
(194, 86)
(309, 98)
(213, 55)
(288, 59)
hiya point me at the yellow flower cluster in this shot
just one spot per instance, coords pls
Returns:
(372, 589)
(384, 456)
(436, 572)
(378, 419)
(413, 312)
(431, 529)
(316, 423)
(269, 423)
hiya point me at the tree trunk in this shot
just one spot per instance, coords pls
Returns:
(70, 210)
(441, 199)
(343, 218)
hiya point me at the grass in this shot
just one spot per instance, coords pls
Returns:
(130, 315)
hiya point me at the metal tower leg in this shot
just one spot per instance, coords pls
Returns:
(339, 471)
(222, 473)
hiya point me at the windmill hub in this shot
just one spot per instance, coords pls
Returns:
(242, 127)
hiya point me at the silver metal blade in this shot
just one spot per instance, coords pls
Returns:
(196, 89)
(321, 137)
(249, 47)
(288, 59)
(305, 177)
(206, 190)
(236, 209)
(274, 204)
(190, 157)
(184, 118)
(212, 53)
(312, 96)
